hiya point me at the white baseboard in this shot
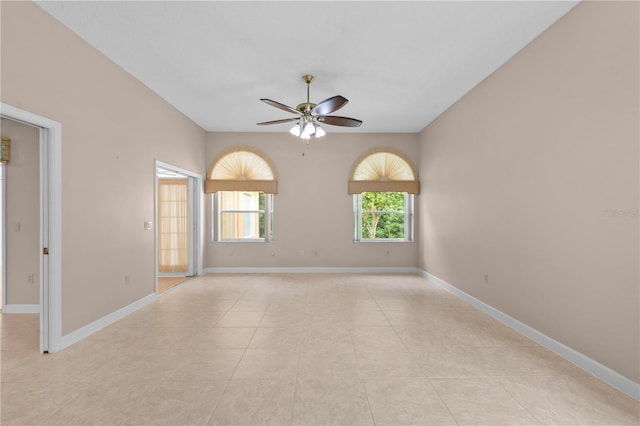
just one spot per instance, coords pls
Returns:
(593, 367)
(313, 270)
(99, 324)
(15, 308)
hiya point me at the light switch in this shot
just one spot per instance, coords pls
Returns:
(148, 225)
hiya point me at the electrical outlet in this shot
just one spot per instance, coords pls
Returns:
(31, 278)
(127, 279)
(388, 252)
(315, 253)
(486, 279)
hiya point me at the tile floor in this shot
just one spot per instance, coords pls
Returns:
(301, 349)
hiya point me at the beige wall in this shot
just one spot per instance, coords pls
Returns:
(523, 180)
(22, 213)
(313, 211)
(532, 178)
(113, 128)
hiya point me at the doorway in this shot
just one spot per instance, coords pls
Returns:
(20, 214)
(3, 242)
(49, 213)
(177, 225)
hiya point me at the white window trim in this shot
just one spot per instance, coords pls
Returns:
(408, 221)
(268, 221)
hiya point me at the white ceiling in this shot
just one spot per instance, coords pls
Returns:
(400, 64)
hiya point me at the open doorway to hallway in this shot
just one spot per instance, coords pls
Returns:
(177, 218)
(21, 215)
(49, 278)
(5, 141)
(21, 228)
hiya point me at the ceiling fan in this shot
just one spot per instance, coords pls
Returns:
(310, 115)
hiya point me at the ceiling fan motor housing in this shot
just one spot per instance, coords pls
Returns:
(305, 107)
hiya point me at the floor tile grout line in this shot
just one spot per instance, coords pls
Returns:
(442, 401)
(235, 369)
(215, 406)
(412, 356)
(360, 375)
(499, 383)
(146, 394)
(295, 385)
(396, 332)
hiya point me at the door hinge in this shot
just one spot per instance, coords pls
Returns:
(45, 250)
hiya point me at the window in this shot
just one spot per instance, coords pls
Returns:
(243, 182)
(383, 183)
(243, 216)
(173, 224)
(383, 216)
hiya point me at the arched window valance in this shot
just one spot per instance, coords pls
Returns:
(241, 168)
(383, 170)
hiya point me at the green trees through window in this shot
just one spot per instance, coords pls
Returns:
(382, 216)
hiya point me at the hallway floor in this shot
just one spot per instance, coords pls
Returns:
(165, 283)
(301, 349)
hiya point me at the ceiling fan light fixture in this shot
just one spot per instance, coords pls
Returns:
(295, 130)
(305, 136)
(320, 132)
(309, 128)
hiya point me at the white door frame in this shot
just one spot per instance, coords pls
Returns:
(195, 182)
(51, 224)
(3, 241)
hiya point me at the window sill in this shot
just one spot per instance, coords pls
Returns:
(381, 240)
(242, 240)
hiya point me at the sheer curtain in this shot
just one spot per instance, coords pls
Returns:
(173, 225)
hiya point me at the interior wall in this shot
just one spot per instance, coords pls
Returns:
(22, 213)
(533, 179)
(313, 212)
(113, 130)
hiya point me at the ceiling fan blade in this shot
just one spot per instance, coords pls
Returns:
(284, 120)
(281, 106)
(334, 120)
(329, 105)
